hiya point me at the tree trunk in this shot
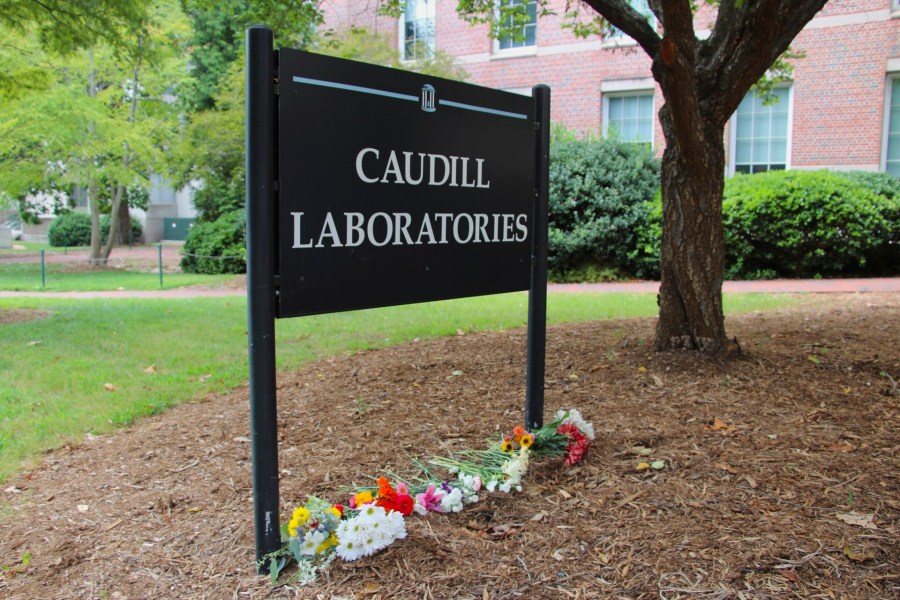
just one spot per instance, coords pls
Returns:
(692, 251)
(123, 230)
(115, 204)
(96, 258)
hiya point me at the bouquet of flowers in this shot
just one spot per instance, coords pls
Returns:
(319, 532)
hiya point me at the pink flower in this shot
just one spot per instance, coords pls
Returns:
(430, 499)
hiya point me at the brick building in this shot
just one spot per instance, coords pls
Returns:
(840, 111)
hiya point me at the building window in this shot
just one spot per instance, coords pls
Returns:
(643, 7)
(417, 30)
(628, 117)
(892, 135)
(761, 133)
(528, 34)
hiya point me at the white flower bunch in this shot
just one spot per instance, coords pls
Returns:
(452, 502)
(369, 531)
(574, 417)
(514, 469)
(469, 485)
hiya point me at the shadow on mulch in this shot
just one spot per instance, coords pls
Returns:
(779, 479)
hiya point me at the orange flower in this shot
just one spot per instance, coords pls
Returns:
(385, 490)
(518, 432)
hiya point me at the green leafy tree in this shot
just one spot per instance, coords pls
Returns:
(702, 83)
(102, 123)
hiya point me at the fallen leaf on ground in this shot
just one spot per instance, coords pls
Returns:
(791, 575)
(845, 447)
(858, 519)
(658, 465)
(642, 466)
(726, 467)
(640, 451)
(499, 532)
(150, 369)
(719, 425)
(109, 387)
(857, 556)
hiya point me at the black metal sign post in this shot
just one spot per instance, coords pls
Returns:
(369, 187)
(537, 294)
(260, 131)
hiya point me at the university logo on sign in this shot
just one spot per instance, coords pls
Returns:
(428, 98)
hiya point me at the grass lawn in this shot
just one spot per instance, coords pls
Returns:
(94, 365)
(21, 247)
(65, 277)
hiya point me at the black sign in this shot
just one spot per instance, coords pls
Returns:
(395, 187)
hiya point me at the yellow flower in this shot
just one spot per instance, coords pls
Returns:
(363, 498)
(527, 440)
(299, 518)
(328, 543)
(507, 444)
(334, 512)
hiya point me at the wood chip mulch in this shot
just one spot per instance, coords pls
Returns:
(779, 473)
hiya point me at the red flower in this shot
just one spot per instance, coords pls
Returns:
(404, 504)
(578, 443)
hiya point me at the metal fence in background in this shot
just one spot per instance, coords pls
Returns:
(156, 260)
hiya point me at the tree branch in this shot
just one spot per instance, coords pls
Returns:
(737, 54)
(630, 21)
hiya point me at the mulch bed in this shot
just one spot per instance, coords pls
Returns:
(21, 315)
(780, 475)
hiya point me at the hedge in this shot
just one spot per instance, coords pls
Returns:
(599, 192)
(74, 229)
(217, 247)
(810, 224)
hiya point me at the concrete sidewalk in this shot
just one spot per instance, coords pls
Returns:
(771, 286)
(775, 286)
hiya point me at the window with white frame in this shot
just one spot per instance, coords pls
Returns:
(641, 6)
(892, 129)
(761, 131)
(628, 117)
(528, 35)
(417, 30)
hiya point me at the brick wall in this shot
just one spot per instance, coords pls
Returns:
(838, 89)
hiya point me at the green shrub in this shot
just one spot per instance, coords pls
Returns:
(808, 224)
(217, 247)
(599, 193)
(645, 254)
(880, 183)
(70, 229)
(74, 229)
